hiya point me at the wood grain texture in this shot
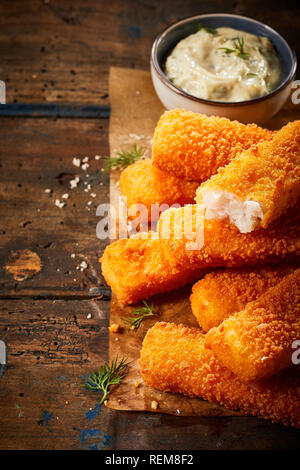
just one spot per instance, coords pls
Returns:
(61, 52)
(58, 51)
(39, 156)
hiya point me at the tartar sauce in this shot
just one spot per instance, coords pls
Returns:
(224, 64)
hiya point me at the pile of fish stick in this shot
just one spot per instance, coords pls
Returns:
(236, 236)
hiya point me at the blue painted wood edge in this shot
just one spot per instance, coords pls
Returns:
(53, 110)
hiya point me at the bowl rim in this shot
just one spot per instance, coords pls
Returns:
(183, 93)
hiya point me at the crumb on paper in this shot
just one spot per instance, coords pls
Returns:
(59, 204)
(76, 162)
(114, 328)
(137, 383)
(74, 182)
(154, 405)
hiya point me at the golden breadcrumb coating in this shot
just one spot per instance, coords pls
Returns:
(138, 268)
(143, 183)
(174, 359)
(257, 341)
(224, 292)
(193, 146)
(268, 174)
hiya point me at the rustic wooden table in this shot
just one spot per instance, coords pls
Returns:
(54, 311)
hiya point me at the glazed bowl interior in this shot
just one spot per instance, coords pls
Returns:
(168, 39)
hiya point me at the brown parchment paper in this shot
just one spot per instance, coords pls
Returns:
(135, 110)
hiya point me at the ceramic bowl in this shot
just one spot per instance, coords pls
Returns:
(256, 110)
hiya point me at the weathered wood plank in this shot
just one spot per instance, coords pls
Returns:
(47, 110)
(57, 51)
(52, 346)
(38, 156)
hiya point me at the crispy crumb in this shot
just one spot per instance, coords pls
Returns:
(154, 405)
(74, 182)
(59, 204)
(137, 383)
(83, 265)
(76, 162)
(114, 328)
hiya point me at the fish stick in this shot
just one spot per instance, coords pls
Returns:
(193, 146)
(143, 183)
(139, 268)
(174, 359)
(257, 341)
(257, 186)
(222, 293)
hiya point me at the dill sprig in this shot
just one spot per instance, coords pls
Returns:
(139, 314)
(207, 30)
(238, 48)
(124, 158)
(109, 374)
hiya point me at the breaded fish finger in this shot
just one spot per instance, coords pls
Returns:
(139, 268)
(143, 183)
(257, 341)
(193, 146)
(174, 359)
(222, 293)
(257, 186)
